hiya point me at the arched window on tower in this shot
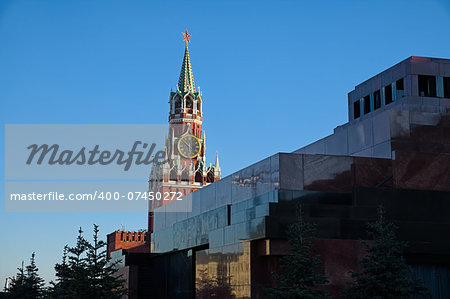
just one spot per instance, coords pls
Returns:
(199, 107)
(173, 175)
(185, 176)
(210, 176)
(189, 104)
(177, 104)
(198, 177)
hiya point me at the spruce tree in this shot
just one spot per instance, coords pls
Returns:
(85, 271)
(384, 273)
(63, 278)
(77, 261)
(27, 283)
(302, 270)
(34, 282)
(103, 280)
(18, 289)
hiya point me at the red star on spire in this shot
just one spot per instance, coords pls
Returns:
(186, 36)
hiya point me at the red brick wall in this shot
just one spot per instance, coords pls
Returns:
(126, 240)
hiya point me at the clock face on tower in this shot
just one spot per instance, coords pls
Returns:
(189, 146)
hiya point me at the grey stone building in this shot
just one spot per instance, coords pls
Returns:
(226, 239)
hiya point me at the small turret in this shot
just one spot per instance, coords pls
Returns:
(217, 169)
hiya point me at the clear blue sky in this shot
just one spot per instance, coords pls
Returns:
(274, 74)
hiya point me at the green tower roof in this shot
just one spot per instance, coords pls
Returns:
(186, 82)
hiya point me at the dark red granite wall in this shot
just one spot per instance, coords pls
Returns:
(422, 159)
(338, 256)
(342, 174)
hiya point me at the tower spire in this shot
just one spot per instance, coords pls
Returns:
(217, 170)
(217, 160)
(186, 81)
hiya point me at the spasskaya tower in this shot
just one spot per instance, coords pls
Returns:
(185, 169)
